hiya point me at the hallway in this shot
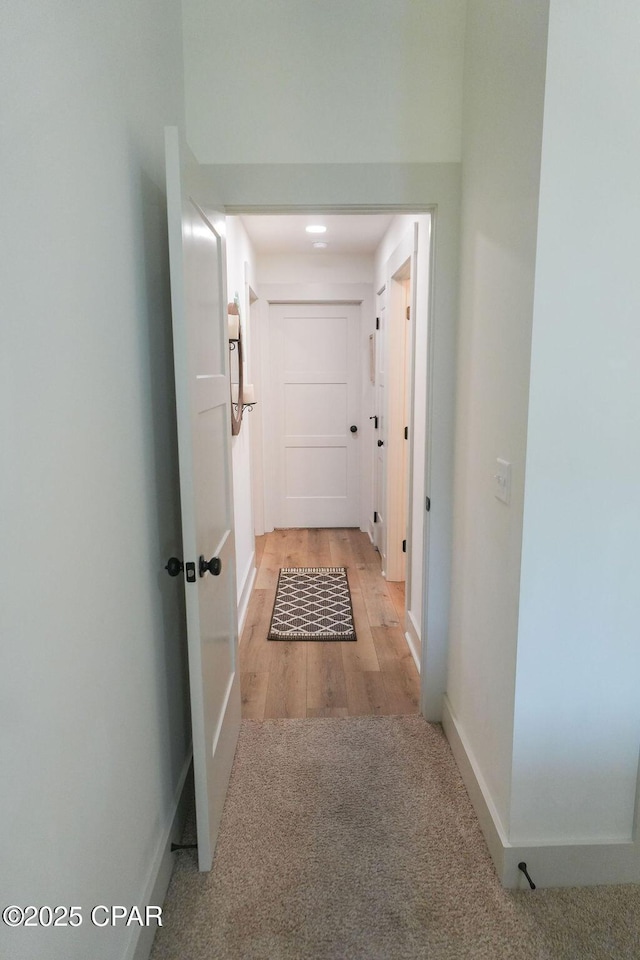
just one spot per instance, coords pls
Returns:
(376, 675)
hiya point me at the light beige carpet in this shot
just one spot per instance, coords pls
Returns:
(355, 839)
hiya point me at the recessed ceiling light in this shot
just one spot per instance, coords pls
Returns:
(319, 244)
(316, 228)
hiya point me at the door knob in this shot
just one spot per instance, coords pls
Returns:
(353, 429)
(380, 443)
(174, 566)
(214, 566)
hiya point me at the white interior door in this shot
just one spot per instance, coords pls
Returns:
(315, 365)
(379, 434)
(198, 300)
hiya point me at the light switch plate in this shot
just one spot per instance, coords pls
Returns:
(502, 480)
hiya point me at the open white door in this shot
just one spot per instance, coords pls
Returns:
(199, 307)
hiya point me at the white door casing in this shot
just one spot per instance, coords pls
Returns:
(198, 299)
(397, 419)
(315, 371)
(379, 450)
(398, 486)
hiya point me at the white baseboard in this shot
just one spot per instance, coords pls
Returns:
(245, 593)
(573, 864)
(479, 795)
(159, 875)
(550, 864)
(412, 636)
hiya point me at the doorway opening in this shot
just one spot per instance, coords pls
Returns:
(330, 451)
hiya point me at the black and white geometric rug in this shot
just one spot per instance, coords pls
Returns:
(312, 603)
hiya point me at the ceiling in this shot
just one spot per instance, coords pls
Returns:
(346, 233)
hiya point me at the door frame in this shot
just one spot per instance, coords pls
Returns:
(400, 266)
(378, 528)
(334, 294)
(433, 657)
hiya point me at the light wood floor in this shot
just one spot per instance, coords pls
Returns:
(374, 675)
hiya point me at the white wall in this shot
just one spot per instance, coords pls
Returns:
(577, 719)
(241, 273)
(95, 730)
(503, 106)
(315, 268)
(543, 710)
(398, 229)
(299, 81)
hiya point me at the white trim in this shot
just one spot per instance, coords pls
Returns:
(245, 594)
(490, 823)
(399, 265)
(412, 637)
(255, 424)
(575, 864)
(437, 551)
(159, 874)
(404, 188)
(412, 649)
(572, 864)
(268, 458)
(342, 209)
(410, 495)
(315, 292)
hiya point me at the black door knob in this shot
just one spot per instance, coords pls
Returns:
(380, 443)
(214, 566)
(174, 566)
(353, 429)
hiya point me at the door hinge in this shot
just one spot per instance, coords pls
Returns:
(375, 422)
(408, 313)
(406, 433)
(377, 323)
(375, 516)
(428, 504)
(404, 546)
